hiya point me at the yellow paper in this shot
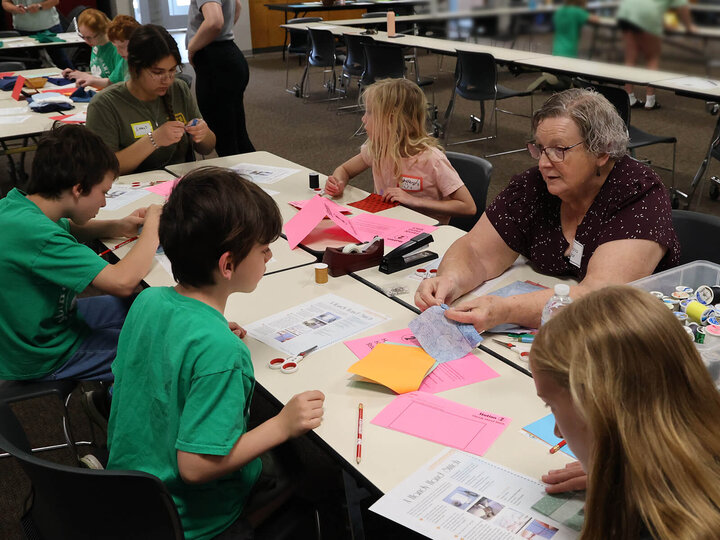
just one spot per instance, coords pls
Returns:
(399, 367)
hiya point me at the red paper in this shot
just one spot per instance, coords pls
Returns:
(18, 87)
(373, 203)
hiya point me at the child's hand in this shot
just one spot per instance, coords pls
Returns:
(84, 79)
(169, 133)
(334, 187)
(68, 73)
(302, 413)
(199, 131)
(398, 195)
(236, 329)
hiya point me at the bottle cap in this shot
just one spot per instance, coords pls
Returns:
(562, 289)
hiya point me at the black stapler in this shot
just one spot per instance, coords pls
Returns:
(407, 255)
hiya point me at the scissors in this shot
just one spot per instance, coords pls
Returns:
(512, 347)
(289, 364)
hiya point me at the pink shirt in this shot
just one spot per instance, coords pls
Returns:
(427, 175)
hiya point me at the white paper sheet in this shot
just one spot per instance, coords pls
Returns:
(120, 196)
(14, 119)
(263, 174)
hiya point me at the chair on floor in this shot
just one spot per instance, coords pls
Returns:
(71, 502)
(638, 138)
(323, 55)
(382, 62)
(476, 80)
(298, 46)
(353, 66)
(695, 232)
(475, 172)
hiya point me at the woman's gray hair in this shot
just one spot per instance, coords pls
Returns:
(597, 119)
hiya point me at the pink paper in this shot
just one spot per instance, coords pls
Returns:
(442, 421)
(164, 188)
(301, 204)
(394, 231)
(466, 370)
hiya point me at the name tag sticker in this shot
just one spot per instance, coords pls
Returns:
(140, 129)
(576, 253)
(411, 183)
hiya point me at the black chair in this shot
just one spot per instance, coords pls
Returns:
(382, 62)
(353, 66)
(323, 55)
(638, 138)
(476, 80)
(695, 232)
(299, 46)
(475, 172)
(12, 65)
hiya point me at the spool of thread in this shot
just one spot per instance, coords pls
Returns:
(698, 312)
(314, 180)
(705, 295)
(391, 23)
(321, 273)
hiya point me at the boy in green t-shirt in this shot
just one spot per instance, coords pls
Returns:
(45, 332)
(183, 378)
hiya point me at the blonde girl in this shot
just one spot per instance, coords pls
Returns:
(408, 165)
(635, 403)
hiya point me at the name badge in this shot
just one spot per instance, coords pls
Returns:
(411, 183)
(140, 129)
(576, 253)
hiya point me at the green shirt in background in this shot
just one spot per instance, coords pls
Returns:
(120, 119)
(42, 268)
(568, 22)
(183, 381)
(120, 73)
(647, 14)
(105, 60)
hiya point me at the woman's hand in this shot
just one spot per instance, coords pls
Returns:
(484, 312)
(397, 195)
(571, 478)
(435, 291)
(169, 133)
(199, 131)
(334, 187)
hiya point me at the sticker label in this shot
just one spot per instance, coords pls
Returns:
(576, 253)
(411, 183)
(140, 129)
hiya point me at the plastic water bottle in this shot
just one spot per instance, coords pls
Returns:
(559, 300)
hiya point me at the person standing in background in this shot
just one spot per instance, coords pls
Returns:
(212, 51)
(34, 16)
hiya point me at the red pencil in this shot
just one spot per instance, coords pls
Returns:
(358, 450)
(119, 245)
(558, 446)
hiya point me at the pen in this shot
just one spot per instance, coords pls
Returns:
(558, 446)
(358, 448)
(522, 338)
(511, 347)
(119, 245)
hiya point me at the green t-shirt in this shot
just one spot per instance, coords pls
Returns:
(183, 381)
(105, 61)
(568, 22)
(120, 73)
(647, 14)
(42, 268)
(120, 119)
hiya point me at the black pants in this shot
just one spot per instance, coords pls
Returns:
(222, 76)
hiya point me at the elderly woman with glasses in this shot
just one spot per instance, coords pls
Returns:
(151, 120)
(586, 211)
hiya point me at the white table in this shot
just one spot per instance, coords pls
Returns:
(27, 42)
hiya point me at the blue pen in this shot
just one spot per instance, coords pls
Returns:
(193, 122)
(522, 338)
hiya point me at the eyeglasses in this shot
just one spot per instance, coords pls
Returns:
(169, 75)
(556, 154)
(77, 31)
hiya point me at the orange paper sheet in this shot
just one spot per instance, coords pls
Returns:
(399, 367)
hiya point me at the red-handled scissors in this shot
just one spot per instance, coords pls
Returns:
(512, 347)
(289, 364)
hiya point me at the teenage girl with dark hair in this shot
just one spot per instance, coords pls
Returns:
(152, 120)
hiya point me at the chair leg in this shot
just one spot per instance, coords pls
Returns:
(448, 117)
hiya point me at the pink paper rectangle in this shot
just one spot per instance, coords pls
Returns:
(304, 221)
(394, 231)
(163, 188)
(301, 204)
(442, 421)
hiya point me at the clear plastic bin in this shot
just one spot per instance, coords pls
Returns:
(692, 275)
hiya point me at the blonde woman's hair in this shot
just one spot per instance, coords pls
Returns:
(94, 19)
(399, 109)
(636, 378)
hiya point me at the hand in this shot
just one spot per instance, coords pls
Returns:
(483, 312)
(199, 131)
(169, 133)
(302, 413)
(129, 225)
(17, 10)
(33, 8)
(70, 73)
(236, 329)
(571, 478)
(334, 187)
(398, 195)
(435, 291)
(83, 79)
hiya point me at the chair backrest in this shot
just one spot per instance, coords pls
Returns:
(619, 99)
(322, 48)
(382, 62)
(299, 37)
(12, 66)
(70, 502)
(476, 75)
(9, 33)
(475, 172)
(696, 232)
(355, 58)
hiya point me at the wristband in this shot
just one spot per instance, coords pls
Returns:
(152, 140)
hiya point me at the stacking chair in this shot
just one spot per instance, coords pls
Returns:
(476, 80)
(71, 502)
(693, 230)
(299, 46)
(475, 172)
(353, 66)
(638, 138)
(382, 62)
(323, 55)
